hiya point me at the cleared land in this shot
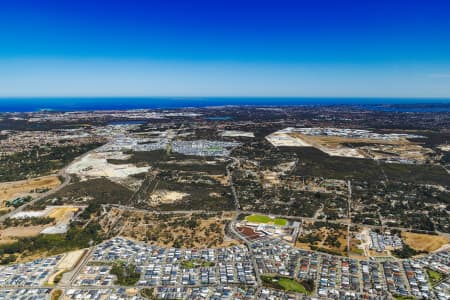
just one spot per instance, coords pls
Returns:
(62, 216)
(30, 187)
(11, 234)
(237, 133)
(192, 230)
(424, 242)
(96, 165)
(266, 220)
(68, 262)
(165, 196)
(354, 147)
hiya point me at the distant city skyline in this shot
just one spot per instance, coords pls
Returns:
(225, 48)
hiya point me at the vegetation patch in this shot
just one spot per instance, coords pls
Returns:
(434, 277)
(197, 230)
(77, 237)
(404, 298)
(100, 191)
(288, 284)
(147, 293)
(59, 276)
(325, 237)
(406, 252)
(126, 273)
(27, 221)
(40, 161)
(196, 263)
(56, 294)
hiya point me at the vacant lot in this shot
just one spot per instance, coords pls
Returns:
(62, 214)
(22, 188)
(424, 242)
(193, 191)
(324, 237)
(97, 165)
(165, 196)
(68, 262)
(173, 230)
(11, 234)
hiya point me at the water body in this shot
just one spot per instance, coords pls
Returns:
(77, 104)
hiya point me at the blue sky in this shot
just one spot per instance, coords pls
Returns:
(225, 48)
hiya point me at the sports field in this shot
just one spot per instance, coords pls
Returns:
(266, 220)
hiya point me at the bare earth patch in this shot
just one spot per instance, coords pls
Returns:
(375, 148)
(68, 262)
(62, 214)
(22, 188)
(424, 242)
(96, 165)
(166, 196)
(21, 231)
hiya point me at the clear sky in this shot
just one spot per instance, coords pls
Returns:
(306, 48)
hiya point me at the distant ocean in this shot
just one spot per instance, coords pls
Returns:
(74, 104)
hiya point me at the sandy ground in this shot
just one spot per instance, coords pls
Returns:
(22, 188)
(31, 214)
(68, 262)
(424, 242)
(271, 178)
(284, 139)
(444, 147)
(221, 178)
(95, 165)
(60, 213)
(8, 234)
(330, 145)
(334, 146)
(237, 133)
(286, 167)
(63, 213)
(71, 259)
(166, 196)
